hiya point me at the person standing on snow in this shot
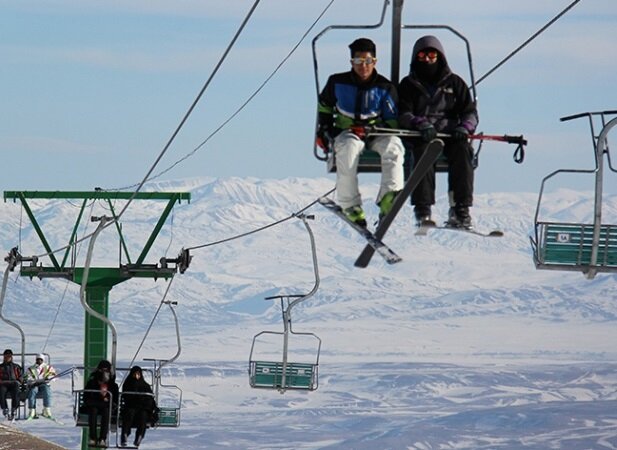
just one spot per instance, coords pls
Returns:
(433, 99)
(349, 102)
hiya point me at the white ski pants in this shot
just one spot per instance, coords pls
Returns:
(348, 147)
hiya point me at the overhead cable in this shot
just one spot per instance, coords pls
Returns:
(243, 105)
(524, 44)
(278, 222)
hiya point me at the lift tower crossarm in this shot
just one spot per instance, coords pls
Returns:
(97, 282)
(96, 195)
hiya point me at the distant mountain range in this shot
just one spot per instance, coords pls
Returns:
(464, 344)
(444, 276)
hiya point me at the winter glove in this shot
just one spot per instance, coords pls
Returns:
(359, 131)
(323, 137)
(460, 134)
(427, 132)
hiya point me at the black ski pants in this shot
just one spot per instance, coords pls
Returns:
(134, 417)
(94, 410)
(9, 388)
(459, 156)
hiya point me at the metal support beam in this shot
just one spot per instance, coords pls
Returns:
(397, 12)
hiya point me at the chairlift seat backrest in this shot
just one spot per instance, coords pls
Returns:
(569, 245)
(269, 374)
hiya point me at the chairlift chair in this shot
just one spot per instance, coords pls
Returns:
(79, 375)
(584, 247)
(370, 161)
(283, 373)
(12, 259)
(168, 397)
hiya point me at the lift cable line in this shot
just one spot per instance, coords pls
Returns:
(140, 185)
(163, 302)
(243, 105)
(524, 44)
(194, 104)
(147, 177)
(270, 225)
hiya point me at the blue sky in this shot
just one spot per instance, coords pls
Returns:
(92, 91)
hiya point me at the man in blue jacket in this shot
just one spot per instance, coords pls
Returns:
(433, 99)
(349, 102)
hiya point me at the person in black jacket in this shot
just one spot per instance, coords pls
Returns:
(349, 102)
(433, 99)
(138, 406)
(100, 399)
(11, 378)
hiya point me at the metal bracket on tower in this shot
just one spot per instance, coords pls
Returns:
(13, 258)
(182, 261)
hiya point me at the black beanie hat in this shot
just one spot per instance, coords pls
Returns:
(363, 45)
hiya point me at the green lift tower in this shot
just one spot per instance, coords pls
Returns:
(100, 280)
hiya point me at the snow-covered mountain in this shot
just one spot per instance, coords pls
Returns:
(464, 344)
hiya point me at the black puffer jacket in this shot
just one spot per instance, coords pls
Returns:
(106, 388)
(137, 393)
(446, 102)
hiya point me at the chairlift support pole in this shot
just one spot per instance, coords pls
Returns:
(273, 369)
(287, 311)
(395, 67)
(601, 148)
(5, 280)
(96, 282)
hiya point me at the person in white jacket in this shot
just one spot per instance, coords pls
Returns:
(37, 378)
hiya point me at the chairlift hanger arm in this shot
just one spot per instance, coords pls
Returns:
(586, 114)
(5, 280)
(14, 257)
(273, 297)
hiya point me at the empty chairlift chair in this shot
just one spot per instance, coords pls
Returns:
(578, 246)
(297, 366)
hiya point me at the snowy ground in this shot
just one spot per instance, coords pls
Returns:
(463, 345)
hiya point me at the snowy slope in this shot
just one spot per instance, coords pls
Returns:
(462, 345)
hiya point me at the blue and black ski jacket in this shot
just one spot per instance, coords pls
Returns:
(346, 102)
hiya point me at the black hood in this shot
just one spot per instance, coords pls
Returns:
(430, 42)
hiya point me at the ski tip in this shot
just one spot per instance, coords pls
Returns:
(361, 264)
(496, 233)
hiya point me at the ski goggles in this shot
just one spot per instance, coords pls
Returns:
(359, 61)
(430, 55)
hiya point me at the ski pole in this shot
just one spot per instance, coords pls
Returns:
(519, 153)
